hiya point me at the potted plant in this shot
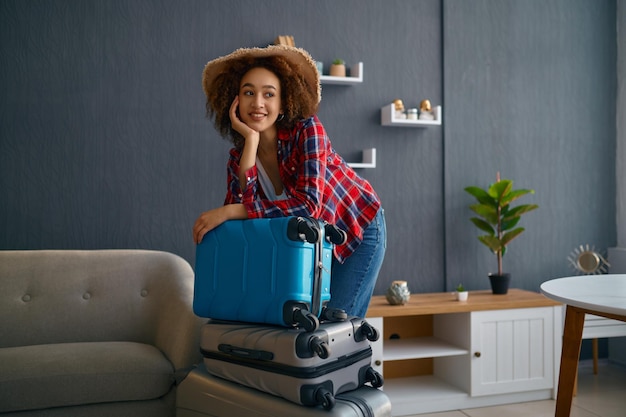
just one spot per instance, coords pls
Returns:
(461, 293)
(499, 219)
(338, 68)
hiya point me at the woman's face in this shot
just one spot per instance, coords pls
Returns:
(259, 99)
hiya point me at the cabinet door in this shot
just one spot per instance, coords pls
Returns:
(512, 350)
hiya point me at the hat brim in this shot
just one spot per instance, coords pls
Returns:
(297, 57)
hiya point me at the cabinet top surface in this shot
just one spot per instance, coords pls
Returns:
(445, 302)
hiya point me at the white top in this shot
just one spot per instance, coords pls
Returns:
(266, 183)
(601, 293)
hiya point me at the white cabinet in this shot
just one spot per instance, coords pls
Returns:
(512, 350)
(447, 359)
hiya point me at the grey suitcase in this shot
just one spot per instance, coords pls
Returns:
(308, 368)
(201, 394)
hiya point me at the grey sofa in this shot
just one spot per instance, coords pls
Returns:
(94, 333)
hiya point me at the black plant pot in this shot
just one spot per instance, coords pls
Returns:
(500, 283)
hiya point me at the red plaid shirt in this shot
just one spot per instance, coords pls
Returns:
(317, 182)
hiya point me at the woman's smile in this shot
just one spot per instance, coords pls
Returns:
(259, 99)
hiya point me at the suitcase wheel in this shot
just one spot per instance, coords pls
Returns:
(325, 398)
(369, 331)
(320, 347)
(306, 320)
(374, 377)
(334, 314)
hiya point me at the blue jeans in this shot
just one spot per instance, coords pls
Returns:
(352, 283)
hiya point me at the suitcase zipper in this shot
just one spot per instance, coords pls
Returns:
(294, 371)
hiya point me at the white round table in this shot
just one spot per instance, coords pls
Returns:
(602, 295)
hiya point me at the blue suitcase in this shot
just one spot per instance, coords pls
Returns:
(271, 271)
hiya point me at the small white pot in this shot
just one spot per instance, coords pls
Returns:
(461, 295)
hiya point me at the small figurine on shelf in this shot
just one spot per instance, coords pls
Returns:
(426, 111)
(399, 109)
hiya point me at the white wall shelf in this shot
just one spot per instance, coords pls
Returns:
(368, 161)
(388, 113)
(356, 77)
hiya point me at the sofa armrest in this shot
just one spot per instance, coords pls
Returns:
(178, 332)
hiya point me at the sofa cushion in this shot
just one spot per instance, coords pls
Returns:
(43, 376)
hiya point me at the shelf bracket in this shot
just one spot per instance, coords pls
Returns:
(368, 160)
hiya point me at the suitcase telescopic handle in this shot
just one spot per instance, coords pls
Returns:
(302, 228)
(240, 352)
(334, 234)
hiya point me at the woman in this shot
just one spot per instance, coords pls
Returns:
(282, 164)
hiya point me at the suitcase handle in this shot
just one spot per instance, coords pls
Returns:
(240, 352)
(302, 228)
(334, 234)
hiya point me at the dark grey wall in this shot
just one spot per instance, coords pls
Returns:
(104, 143)
(530, 91)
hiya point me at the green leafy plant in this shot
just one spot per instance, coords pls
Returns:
(496, 216)
(460, 288)
(339, 62)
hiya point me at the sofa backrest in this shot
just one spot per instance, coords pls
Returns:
(57, 296)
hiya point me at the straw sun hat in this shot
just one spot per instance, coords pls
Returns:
(298, 58)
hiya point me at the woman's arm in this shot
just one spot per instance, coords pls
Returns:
(209, 220)
(251, 143)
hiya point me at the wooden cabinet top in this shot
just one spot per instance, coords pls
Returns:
(445, 302)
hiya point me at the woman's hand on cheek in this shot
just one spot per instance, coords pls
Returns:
(238, 125)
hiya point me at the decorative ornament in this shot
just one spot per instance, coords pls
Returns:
(426, 111)
(399, 109)
(588, 260)
(398, 293)
(425, 105)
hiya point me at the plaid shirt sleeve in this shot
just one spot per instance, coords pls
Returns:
(234, 192)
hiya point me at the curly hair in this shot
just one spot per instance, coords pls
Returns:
(297, 98)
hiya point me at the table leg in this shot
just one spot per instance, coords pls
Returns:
(570, 353)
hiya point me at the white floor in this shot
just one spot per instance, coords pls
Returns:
(601, 395)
